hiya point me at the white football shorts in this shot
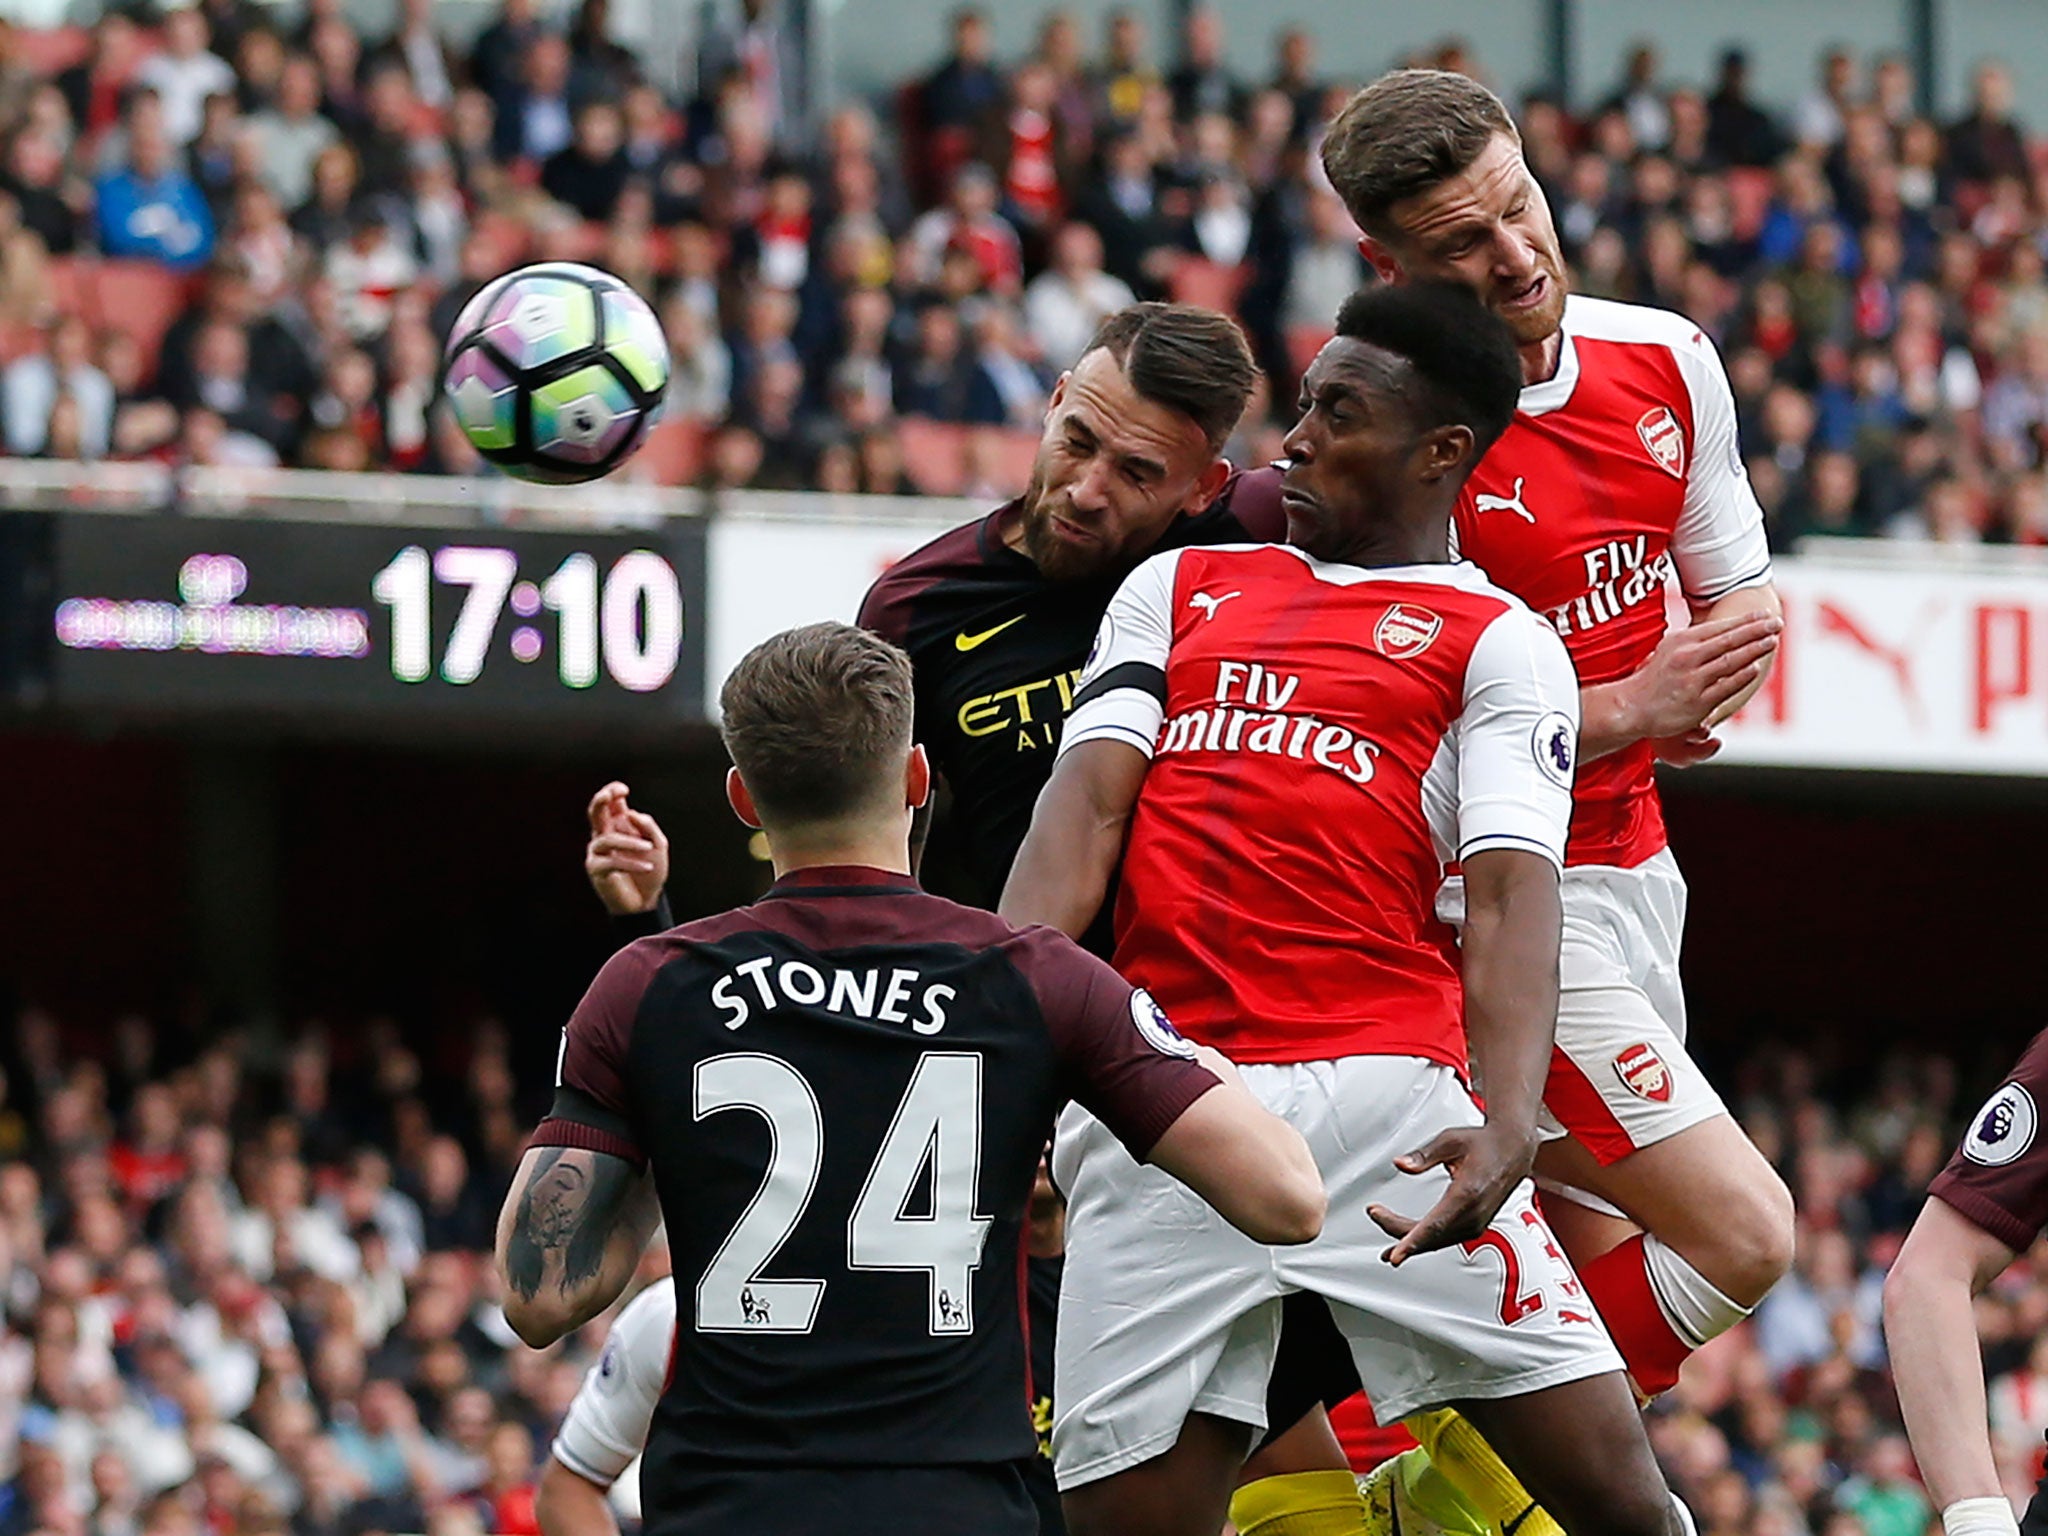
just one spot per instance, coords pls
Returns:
(1620, 1076)
(1166, 1309)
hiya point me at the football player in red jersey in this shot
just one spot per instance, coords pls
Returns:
(1283, 745)
(1620, 474)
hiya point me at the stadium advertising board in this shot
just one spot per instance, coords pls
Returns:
(457, 626)
(1928, 670)
(771, 571)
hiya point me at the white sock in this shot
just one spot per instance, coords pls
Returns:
(1692, 1304)
(1979, 1517)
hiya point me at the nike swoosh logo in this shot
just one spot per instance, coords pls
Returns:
(966, 642)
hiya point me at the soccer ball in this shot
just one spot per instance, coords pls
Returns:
(555, 372)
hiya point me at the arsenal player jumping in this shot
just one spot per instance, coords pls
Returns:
(1620, 472)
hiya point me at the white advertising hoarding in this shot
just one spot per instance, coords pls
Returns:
(770, 568)
(1931, 670)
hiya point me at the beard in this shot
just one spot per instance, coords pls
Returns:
(1540, 324)
(1059, 559)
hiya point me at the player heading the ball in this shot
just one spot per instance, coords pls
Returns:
(849, 1324)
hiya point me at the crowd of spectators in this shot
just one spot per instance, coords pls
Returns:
(247, 1291)
(830, 289)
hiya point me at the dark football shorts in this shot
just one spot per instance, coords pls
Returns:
(1313, 1367)
(709, 1500)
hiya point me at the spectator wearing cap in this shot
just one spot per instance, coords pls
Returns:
(185, 73)
(149, 208)
(1064, 304)
(591, 171)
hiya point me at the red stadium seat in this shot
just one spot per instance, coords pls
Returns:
(673, 454)
(141, 299)
(934, 453)
(1015, 452)
(71, 287)
(1210, 284)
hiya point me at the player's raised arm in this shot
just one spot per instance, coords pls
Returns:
(626, 859)
(1063, 871)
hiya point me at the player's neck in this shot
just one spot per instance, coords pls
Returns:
(884, 849)
(1426, 542)
(1540, 359)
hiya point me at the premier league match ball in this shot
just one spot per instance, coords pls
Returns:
(555, 372)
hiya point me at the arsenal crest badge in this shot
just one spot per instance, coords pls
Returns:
(1405, 631)
(1665, 439)
(1643, 1073)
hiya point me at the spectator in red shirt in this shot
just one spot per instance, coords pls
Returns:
(148, 1163)
(508, 1489)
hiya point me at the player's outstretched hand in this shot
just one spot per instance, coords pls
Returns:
(1486, 1163)
(1697, 670)
(627, 856)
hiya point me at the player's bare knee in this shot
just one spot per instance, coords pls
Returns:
(1757, 1240)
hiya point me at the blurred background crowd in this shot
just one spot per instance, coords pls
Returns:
(286, 223)
(247, 1292)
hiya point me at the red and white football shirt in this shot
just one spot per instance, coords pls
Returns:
(1618, 473)
(1324, 738)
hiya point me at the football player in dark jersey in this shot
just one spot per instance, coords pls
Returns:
(849, 1334)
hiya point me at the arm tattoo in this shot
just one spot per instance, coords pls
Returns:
(567, 1212)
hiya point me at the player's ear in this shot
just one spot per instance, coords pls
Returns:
(1059, 393)
(1447, 449)
(741, 801)
(917, 779)
(1208, 486)
(1380, 258)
